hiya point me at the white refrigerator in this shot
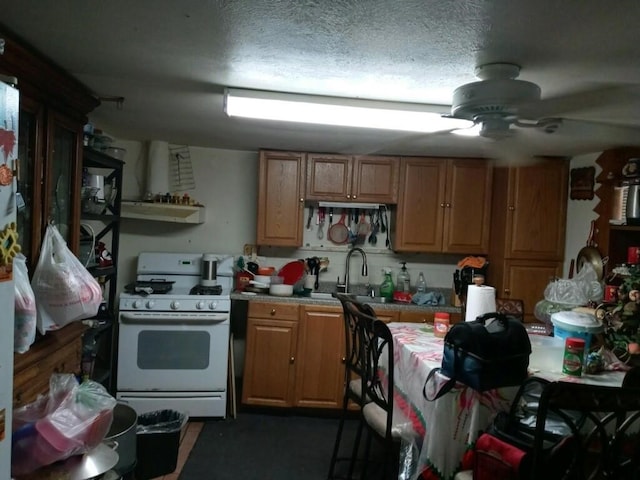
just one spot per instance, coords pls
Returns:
(9, 108)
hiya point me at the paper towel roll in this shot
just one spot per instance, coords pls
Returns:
(158, 168)
(481, 299)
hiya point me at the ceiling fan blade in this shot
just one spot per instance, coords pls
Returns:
(616, 135)
(601, 97)
(511, 151)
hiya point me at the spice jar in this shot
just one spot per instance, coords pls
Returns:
(573, 356)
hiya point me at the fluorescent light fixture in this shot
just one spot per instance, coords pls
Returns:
(344, 112)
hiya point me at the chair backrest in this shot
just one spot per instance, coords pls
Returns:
(354, 362)
(607, 444)
(511, 306)
(377, 346)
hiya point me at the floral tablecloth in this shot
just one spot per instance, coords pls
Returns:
(438, 436)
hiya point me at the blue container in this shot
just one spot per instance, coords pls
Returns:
(577, 325)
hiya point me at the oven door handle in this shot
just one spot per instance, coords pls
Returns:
(166, 319)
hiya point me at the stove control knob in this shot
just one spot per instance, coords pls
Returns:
(200, 305)
(213, 305)
(151, 304)
(137, 303)
(175, 305)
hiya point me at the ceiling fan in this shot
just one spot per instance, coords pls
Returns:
(493, 101)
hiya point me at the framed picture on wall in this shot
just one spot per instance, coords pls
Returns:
(582, 181)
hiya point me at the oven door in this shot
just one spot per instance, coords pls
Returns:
(173, 352)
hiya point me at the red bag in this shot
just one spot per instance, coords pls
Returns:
(497, 459)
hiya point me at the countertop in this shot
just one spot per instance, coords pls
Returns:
(260, 297)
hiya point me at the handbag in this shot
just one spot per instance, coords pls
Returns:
(484, 356)
(505, 450)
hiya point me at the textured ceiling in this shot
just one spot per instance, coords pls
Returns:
(171, 61)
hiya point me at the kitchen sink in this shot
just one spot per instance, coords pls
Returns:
(358, 298)
(324, 296)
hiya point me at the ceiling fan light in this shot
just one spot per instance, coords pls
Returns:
(337, 111)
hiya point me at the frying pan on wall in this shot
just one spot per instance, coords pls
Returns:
(591, 254)
(339, 232)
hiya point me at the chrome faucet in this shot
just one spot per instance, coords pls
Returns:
(365, 270)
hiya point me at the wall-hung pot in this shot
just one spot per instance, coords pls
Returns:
(123, 431)
(591, 254)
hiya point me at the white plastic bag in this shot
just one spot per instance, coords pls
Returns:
(581, 289)
(70, 420)
(65, 291)
(25, 306)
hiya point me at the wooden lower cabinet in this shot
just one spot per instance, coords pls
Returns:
(294, 356)
(56, 352)
(321, 359)
(269, 371)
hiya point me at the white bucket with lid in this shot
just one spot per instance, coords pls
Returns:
(577, 325)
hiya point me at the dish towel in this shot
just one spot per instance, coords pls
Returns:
(428, 298)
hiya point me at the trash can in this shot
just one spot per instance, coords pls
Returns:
(157, 442)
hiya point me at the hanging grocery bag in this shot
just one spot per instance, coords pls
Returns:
(65, 291)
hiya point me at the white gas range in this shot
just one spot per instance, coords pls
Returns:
(173, 339)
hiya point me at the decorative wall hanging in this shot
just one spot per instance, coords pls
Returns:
(582, 183)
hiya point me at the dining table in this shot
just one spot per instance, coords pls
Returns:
(437, 437)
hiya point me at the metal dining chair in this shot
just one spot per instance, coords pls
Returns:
(603, 423)
(353, 380)
(378, 410)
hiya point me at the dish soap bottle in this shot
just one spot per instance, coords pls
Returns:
(421, 284)
(386, 287)
(404, 281)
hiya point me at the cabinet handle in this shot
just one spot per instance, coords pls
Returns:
(442, 205)
(507, 291)
(348, 196)
(448, 205)
(354, 197)
(302, 199)
(424, 320)
(273, 311)
(292, 359)
(344, 360)
(511, 208)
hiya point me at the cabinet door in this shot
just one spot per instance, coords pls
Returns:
(421, 201)
(468, 206)
(30, 145)
(280, 198)
(537, 210)
(329, 177)
(269, 371)
(63, 174)
(375, 179)
(320, 365)
(526, 280)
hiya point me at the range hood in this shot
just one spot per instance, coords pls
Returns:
(162, 212)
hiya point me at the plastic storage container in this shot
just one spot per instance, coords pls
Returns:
(546, 353)
(157, 443)
(576, 325)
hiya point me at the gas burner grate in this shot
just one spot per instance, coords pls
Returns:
(202, 290)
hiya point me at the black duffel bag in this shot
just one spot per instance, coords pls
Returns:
(483, 356)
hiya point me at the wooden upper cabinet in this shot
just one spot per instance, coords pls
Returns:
(536, 210)
(340, 178)
(280, 198)
(444, 205)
